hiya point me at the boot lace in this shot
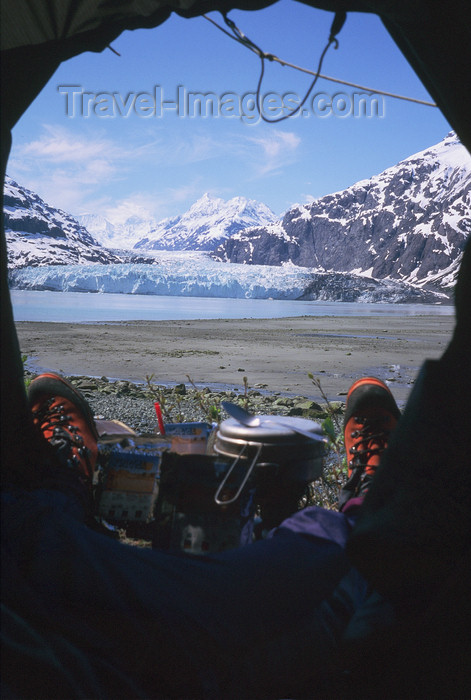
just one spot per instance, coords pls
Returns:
(372, 431)
(65, 437)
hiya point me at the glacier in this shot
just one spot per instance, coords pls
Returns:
(195, 274)
(176, 274)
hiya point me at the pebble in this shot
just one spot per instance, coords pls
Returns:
(134, 403)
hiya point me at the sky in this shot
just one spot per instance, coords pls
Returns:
(121, 135)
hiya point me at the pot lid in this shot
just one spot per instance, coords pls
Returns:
(269, 430)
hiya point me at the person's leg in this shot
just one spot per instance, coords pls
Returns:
(412, 540)
(172, 625)
(179, 624)
(416, 517)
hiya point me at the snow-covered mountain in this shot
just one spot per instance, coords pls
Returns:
(207, 223)
(397, 237)
(196, 274)
(117, 235)
(38, 234)
(409, 224)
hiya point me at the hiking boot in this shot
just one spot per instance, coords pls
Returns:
(371, 414)
(66, 422)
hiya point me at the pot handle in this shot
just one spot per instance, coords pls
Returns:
(244, 481)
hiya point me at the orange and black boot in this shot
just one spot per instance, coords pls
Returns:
(63, 417)
(371, 413)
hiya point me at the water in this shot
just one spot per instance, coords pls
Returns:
(78, 307)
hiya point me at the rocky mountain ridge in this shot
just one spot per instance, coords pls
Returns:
(38, 234)
(206, 224)
(409, 224)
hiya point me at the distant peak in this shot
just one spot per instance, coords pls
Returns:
(206, 197)
(206, 203)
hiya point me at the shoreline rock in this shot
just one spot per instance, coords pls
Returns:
(133, 403)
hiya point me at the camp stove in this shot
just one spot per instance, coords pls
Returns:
(207, 503)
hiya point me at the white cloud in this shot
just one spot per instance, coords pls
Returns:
(275, 150)
(66, 167)
(149, 173)
(180, 194)
(140, 205)
(70, 169)
(59, 145)
(192, 150)
(159, 204)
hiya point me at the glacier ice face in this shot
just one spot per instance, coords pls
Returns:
(396, 237)
(176, 274)
(197, 275)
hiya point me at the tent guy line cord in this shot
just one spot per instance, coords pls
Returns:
(337, 25)
(271, 57)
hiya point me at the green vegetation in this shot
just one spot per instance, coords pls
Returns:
(212, 411)
(27, 377)
(187, 402)
(332, 426)
(335, 470)
(171, 410)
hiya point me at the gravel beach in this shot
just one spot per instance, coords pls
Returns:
(263, 364)
(275, 355)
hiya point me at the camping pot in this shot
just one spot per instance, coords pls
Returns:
(186, 516)
(272, 448)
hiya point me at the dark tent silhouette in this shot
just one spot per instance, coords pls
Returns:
(37, 35)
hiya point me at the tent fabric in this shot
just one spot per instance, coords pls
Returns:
(434, 38)
(31, 22)
(37, 35)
